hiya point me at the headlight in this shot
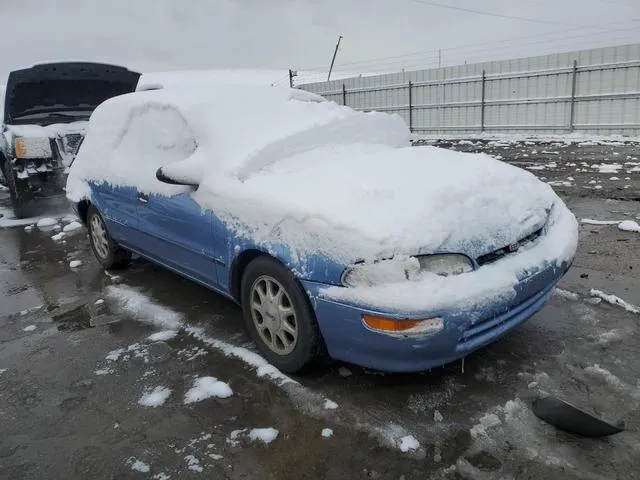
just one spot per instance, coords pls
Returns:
(32, 147)
(445, 264)
(397, 270)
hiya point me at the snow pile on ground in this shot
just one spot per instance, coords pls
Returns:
(58, 237)
(29, 328)
(327, 433)
(163, 336)
(607, 167)
(265, 435)
(193, 463)
(513, 431)
(613, 300)
(155, 397)
(330, 405)
(408, 443)
(75, 263)
(138, 465)
(141, 306)
(583, 139)
(46, 222)
(207, 387)
(590, 221)
(629, 226)
(72, 227)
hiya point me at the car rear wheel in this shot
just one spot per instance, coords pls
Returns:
(108, 253)
(278, 316)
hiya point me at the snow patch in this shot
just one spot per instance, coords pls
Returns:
(329, 404)
(138, 465)
(327, 433)
(142, 307)
(629, 226)
(58, 237)
(75, 263)
(29, 328)
(193, 464)
(104, 371)
(155, 397)
(207, 387)
(163, 336)
(487, 421)
(590, 221)
(408, 443)
(72, 226)
(265, 435)
(46, 222)
(611, 380)
(613, 300)
(566, 294)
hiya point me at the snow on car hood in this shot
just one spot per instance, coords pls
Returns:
(371, 201)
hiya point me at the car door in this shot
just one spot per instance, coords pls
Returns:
(174, 230)
(179, 235)
(119, 208)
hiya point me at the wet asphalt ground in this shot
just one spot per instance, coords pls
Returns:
(75, 360)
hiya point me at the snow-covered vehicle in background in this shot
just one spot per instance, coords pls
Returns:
(323, 223)
(46, 110)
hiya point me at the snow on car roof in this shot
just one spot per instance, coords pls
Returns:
(278, 166)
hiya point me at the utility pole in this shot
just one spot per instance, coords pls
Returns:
(439, 58)
(292, 73)
(334, 57)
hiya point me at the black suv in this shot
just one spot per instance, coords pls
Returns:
(46, 111)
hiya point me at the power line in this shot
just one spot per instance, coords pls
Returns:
(465, 47)
(499, 15)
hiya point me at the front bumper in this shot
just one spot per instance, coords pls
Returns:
(464, 330)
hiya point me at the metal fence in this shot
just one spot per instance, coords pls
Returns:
(592, 91)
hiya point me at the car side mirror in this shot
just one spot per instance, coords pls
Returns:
(164, 178)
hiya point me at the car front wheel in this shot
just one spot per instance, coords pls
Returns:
(278, 315)
(108, 253)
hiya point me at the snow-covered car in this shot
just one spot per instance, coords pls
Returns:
(46, 110)
(331, 232)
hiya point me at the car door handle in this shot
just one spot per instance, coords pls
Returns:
(143, 197)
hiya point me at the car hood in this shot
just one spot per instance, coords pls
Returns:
(371, 201)
(63, 87)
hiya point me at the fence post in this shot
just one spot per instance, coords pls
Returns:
(572, 111)
(484, 82)
(410, 109)
(344, 95)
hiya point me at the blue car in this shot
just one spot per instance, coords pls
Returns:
(332, 233)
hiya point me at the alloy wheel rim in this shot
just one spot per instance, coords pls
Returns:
(99, 237)
(273, 315)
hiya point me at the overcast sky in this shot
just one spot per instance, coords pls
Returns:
(378, 35)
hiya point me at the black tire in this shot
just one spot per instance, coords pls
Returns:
(19, 199)
(309, 345)
(110, 255)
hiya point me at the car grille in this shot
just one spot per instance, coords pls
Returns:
(506, 250)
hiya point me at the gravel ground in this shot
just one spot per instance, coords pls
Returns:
(76, 360)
